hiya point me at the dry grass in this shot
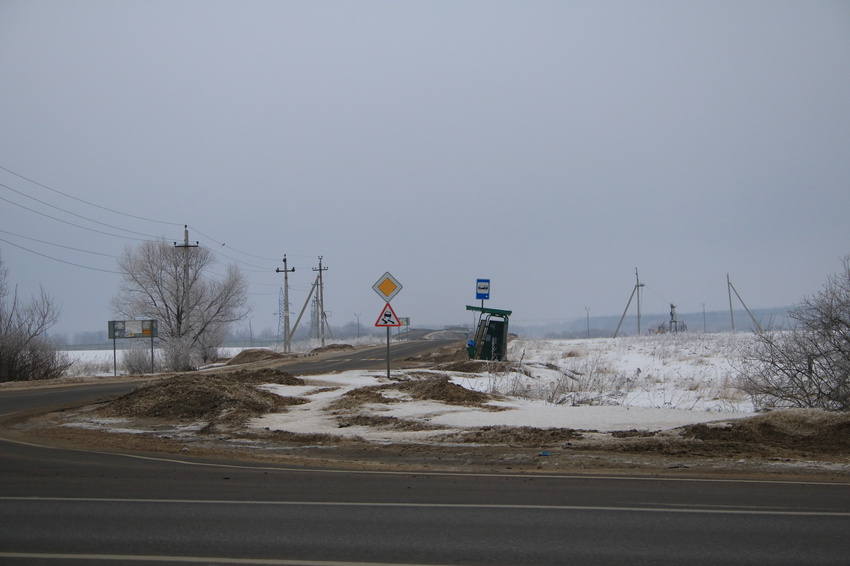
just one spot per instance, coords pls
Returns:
(356, 398)
(392, 423)
(796, 431)
(254, 355)
(423, 387)
(440, 388)
(514, 436)
(445, 354)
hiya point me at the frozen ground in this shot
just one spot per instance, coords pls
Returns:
(655, 382)
(644, 383)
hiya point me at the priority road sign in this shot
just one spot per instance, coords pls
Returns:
(388, 318)
(387, 287)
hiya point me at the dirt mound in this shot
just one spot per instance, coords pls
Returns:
(439, 388)
(332, 348)
(515, 436)
(443, 354)
(265, 375)
(362, 396)
(254, 355)
(376, 421)
(193, 397)
(427, 387)
(466, 365)
(796, 431)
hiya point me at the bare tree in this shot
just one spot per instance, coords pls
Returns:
(192, 312)
(25, 352)
(809, 364)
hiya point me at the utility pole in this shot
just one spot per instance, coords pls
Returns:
(731, 289)
(279, 315)
(588, 320)
(357, 315)
(286, 337)
(635, 291)
(703, 319)
(731, 312)
(304, 308)
(320, 295)
(184, 319)
(638, 285)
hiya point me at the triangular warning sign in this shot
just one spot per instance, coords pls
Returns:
(388, 317)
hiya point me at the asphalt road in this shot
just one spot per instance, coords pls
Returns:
(365, 358)
(66, 506)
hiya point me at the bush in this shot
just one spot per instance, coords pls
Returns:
(807, 366)
(137, 359)
(24, 358)
(25, 352)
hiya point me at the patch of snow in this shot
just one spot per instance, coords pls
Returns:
(655, 382)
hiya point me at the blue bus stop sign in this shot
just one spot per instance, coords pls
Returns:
(482, 290)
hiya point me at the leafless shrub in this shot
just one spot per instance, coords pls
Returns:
(90, 367)
(138, 359)
(807, 366)
(587, 381)
(26, 353)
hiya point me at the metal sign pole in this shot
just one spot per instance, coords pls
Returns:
(387, 287)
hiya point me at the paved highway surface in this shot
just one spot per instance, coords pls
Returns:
(63, 506)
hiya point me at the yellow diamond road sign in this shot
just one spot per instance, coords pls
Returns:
(387, 287)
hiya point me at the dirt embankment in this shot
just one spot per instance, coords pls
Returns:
(206, 413)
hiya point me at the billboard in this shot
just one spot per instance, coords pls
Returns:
(132, 329)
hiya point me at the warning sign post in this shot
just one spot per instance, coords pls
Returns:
(387, 287)
(388, 318)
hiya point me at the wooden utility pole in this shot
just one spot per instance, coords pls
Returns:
(287, 347)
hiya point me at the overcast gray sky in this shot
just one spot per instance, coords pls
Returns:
(552, 147)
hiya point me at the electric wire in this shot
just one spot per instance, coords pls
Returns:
(260, 268)
(147, 237)
(222, 244)
(42, 185)
(77, 215)
(76, 225)
(59, 260)
(654, 292)
(59, 245)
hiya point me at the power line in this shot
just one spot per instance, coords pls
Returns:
(58, 245)
(59, 260)
(74, 214)
(76, 225)
(42, 185)
(256, 268)
(222, 244)
(259, 269)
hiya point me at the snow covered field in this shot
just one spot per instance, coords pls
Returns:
(651, 382)
(645, 383)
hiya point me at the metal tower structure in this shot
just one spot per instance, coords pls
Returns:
(281, 309)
